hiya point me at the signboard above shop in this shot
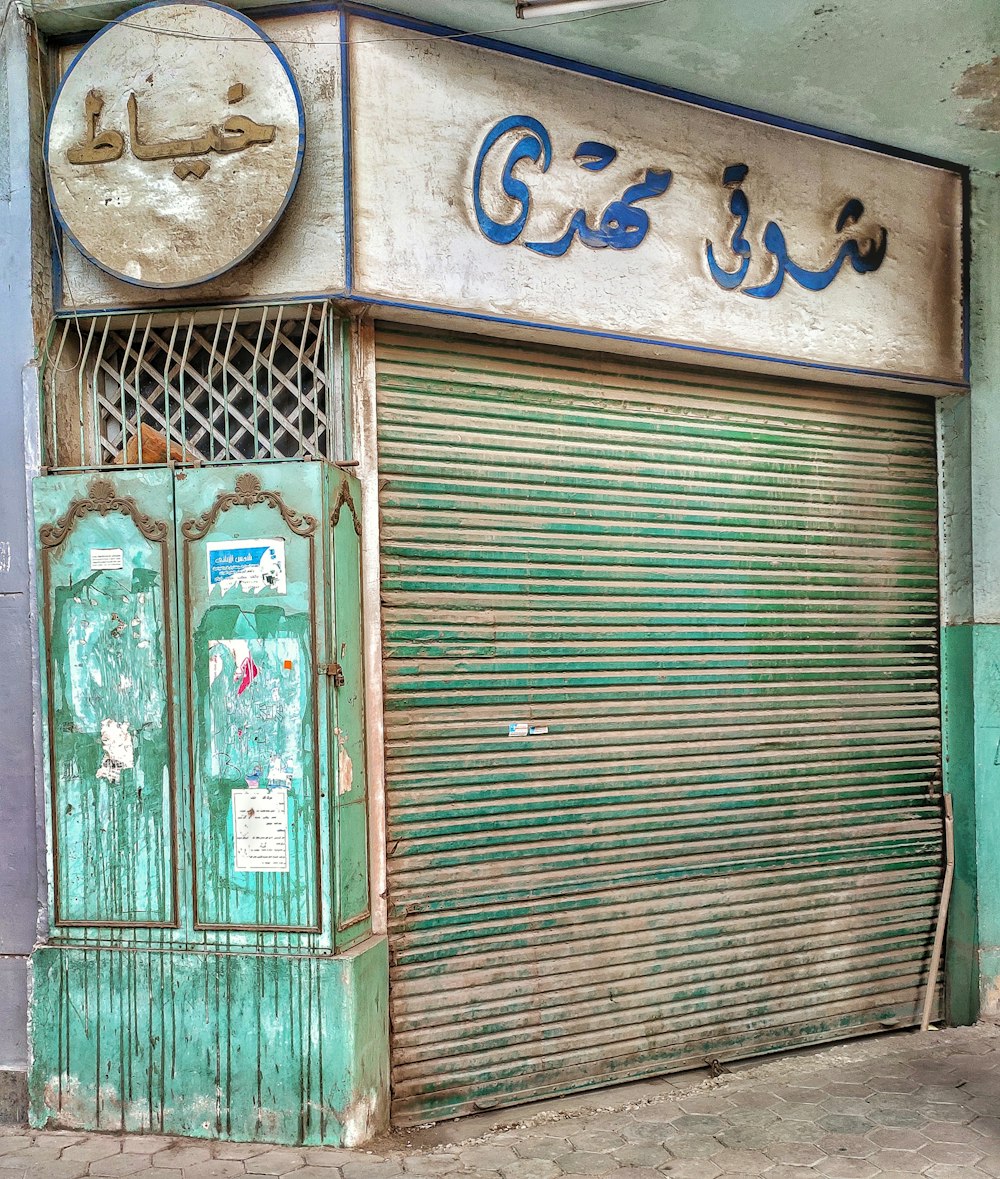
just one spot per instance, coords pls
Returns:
(510, 194)
(174, 144)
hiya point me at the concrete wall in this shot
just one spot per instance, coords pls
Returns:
(984, 468)
(19, 839)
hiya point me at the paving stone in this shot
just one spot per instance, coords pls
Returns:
(689, 1169)
(799, 1112)
(181, 1156)
(9, 1143)
(892, 1084)
(486, 1158)
(47, 1168)
(431, 1164)
(855, 1146)
(92, 1149)
(801, 1094)
(941, 1094)
(698, 1124)
(911, 1118)
(145, 1144)
(794, 1154)
(842, 1167)
(692, 1146)
(708, 1104)
(952, 1113)
(371, 1169)
(34, 1155)
(888, 1138)
(656, 1113)
(275, 1162)
(586, 1162)
(638, 1173)
(240, 1150)
(945, 1171)
(952, 1132)
(845, 1124)
(656, 1132)
(742, 1162)
(122, 1164)
(750, 1099)
(541, 1148)
(531, 1169)
(955, 1153)
(312, 1172)
(641, 1155)
(793, 1132)
(596, 1140)
(215, 1169)
(907, 1162)
(783, 1171)
(745, 1137)
(848, 1089)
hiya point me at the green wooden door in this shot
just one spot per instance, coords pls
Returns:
(106, 565)
(662, 716)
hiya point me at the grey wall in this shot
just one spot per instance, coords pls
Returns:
(19, 906)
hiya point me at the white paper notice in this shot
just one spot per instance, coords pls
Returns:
(106, 559)
(260, 829)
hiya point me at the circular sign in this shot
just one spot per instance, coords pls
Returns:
(174, 143)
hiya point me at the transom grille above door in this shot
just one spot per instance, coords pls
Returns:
(225, 384)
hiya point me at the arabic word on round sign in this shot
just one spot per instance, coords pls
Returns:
(174, 143)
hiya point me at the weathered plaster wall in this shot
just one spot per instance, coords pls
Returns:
(985, 518)
(19, 907)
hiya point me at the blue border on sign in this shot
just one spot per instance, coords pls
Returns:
(672, 345)
(300, 109)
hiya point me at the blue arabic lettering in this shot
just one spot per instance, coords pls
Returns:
(621, 227)
(536, 144)
(865, 256)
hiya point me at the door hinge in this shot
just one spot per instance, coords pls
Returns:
(335, 670)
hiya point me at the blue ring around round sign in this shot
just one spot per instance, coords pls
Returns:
(266, 232)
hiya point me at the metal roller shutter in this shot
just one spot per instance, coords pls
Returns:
(716, 603)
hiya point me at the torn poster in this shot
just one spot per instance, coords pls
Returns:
(260, 830)
(119, 752)
(250, 565)
(258, 701)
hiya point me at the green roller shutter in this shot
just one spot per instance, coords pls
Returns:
(710, 607)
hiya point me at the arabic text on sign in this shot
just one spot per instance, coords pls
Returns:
(623, 226)
(102, 147)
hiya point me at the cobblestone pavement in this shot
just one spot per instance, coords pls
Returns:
(895, 1106)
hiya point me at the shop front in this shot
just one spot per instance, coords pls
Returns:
(489, 572)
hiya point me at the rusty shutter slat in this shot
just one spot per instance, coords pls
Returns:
(717, 601)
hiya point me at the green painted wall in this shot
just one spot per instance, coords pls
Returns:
(248, 1047)
(969, 447)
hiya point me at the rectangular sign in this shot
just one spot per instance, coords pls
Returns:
(260, 830)
(249, 565)
(106, 559)
(531, 194)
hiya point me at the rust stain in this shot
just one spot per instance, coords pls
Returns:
(981, 82)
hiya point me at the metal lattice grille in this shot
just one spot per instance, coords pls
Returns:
(231, 384)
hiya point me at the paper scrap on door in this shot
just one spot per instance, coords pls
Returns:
(260, 830)
(106, 559)
(250, 565)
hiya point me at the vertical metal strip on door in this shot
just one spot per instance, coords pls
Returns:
(662, 716)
